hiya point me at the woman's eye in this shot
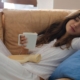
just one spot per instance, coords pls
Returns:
(76, 19)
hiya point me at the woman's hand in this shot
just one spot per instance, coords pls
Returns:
(23, 41)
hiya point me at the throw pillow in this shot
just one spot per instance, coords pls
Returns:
(70, 68)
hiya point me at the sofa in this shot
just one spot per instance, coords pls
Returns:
(14, 22)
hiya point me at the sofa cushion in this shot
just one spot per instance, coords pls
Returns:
(19, 21)
(69, 68)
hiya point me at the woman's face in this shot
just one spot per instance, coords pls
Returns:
(73, 26)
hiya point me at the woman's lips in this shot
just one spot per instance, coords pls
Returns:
(72, 29)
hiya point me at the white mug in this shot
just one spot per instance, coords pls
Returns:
(31, 40)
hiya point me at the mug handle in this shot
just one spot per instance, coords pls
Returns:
(19, 39)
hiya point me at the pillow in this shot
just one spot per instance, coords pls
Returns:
(69, 68)
(19, 21)
(26, 58)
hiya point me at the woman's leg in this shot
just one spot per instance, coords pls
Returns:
(10, 69)
(13, 70)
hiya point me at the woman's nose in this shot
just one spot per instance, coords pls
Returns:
(77, 25)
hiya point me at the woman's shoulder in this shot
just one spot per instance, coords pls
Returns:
(76, 43)
(76, 39)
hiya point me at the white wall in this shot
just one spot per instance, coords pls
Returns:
(45, 4)
(41, 4)
(66, 4)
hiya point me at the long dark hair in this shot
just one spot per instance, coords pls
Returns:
(56, 31)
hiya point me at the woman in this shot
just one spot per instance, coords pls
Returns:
(54, 44)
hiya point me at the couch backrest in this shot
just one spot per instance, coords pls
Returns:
(19, 21)
(1, 25)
